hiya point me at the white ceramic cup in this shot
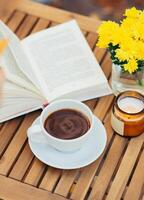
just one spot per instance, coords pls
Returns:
(37, 133)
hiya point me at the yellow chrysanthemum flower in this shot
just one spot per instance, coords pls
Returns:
(139, 50)
(107, 26)
(103, 42)
(141, 17)
(131, 66)
(123, 55)
(134, 23)
(130, 49)
(138, 31)
(106, 31)
(127, 44)
(129, 22)
(133, 12)
(128, 25)
(123, 34)
(117, 36)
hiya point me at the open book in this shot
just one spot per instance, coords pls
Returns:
(51, 64)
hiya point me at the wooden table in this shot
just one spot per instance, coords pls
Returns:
(117, 174)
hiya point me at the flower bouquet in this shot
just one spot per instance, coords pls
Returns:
(125, 42)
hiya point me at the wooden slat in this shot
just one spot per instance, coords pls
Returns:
(92, 38)
(99, 54)
(137, 182)
(57, 15)
(66, 182)
(23, 162)
(7, 133)
(106, 66)
(125, 168)
(50, 179)
(26, 26)
(16, 144)
(91, 103)
(15, 21)
(53, 23)
(41, 24)
(103, 106)
(6, 9)
(35, 172)
(106, 172)
(13, 190)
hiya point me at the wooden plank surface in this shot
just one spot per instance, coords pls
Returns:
(11, 189)
(137, 182)
(117, 174)
(14, 148)
(125, 168)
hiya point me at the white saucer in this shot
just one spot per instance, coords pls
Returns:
(86, 155)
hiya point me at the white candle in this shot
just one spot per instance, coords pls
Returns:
(131, 105)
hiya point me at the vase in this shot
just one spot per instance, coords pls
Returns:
(122, 81)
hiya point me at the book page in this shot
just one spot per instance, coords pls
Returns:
(15, 62)
(63, 61)
(18, 101)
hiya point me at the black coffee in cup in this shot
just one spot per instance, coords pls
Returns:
(67, 124)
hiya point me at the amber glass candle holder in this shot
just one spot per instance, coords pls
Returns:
(127, 118)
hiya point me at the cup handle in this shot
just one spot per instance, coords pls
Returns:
(34, 133)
